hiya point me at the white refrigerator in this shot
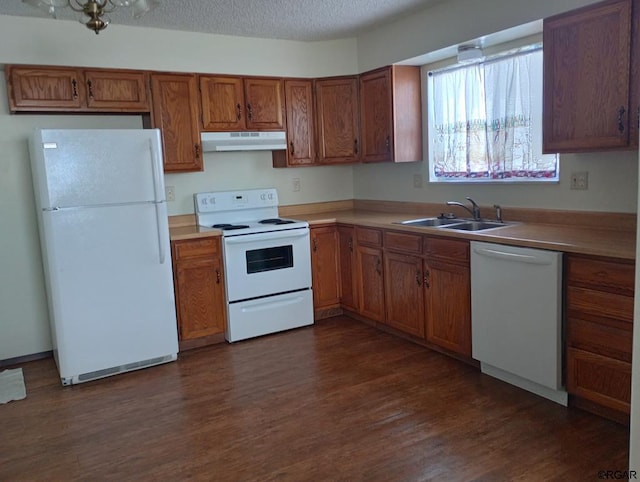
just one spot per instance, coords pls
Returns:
(105, 247)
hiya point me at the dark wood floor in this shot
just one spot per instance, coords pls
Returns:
(337, 401)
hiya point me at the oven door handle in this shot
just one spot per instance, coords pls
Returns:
(254, 238)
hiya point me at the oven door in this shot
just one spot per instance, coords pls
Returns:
(264, 264)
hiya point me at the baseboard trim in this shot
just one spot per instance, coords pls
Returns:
(25, 359)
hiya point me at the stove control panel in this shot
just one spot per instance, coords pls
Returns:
(235, 200)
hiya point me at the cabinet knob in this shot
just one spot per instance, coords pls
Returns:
(350, 244)
(426, 279)
(90, 86)
(315, 244)
(378, 265)
(292, 149)
(418, 278)
(197, 150)
(249, 112)
(621, 112)
(355, 146)
(387, 144)
(74, 84)
(239, 110)
(218, 276)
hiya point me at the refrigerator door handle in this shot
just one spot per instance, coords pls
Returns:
(157, 183)
(161, 252)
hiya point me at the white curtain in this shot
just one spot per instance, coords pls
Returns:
(481, 120)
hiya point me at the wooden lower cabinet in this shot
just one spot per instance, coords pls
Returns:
(370, 283)
(199, 289)
(448, 305)
(599, 334)
(404, 293)
(348, 278)
(325, 269)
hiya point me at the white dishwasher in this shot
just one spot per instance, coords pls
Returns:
(516, 316)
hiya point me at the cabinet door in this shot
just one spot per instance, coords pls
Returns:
(448, 306)
(404, 294)
(324, 267)
(586, 78)
(45, 89)
(264, 103)
(199, 286)
(117, 91)
(222, 101)
(375, 116)
(370, 283)
(337, 120)
(175, 112)
(348, 279)
(301, 142)
(634, 98)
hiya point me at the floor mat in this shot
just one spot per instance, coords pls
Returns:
(12, 385)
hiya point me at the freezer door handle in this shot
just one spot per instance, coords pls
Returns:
(519, 258)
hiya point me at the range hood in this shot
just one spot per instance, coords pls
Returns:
(243, 141)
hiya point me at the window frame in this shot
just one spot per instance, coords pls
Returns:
(497, 56)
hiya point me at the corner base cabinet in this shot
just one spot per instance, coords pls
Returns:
(599, 333)
(199, 289)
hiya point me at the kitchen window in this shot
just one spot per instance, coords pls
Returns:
(485, 121)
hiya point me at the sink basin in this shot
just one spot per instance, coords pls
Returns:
(430, 222)
(475, 226)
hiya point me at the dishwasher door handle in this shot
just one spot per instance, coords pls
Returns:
(519, 258)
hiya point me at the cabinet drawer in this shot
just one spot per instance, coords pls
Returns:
(371, 237)
(189, 248)
(610, 276)
(452, 249)
(600, 379)
(409, 243)
(602, 339)
(599, 304)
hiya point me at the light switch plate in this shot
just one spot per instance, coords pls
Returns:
(580, 180)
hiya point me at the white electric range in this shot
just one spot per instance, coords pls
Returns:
(267, 261)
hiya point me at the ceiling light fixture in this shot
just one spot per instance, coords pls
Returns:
(95, 10)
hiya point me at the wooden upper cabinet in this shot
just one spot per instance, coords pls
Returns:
(586, 78)
(222, 103)
(117, 90)
(300, 150)
(391, 115)
(634, 97)
(337, 114)
(237, 104)
(175, 113)
(265, 103)
(68, 89)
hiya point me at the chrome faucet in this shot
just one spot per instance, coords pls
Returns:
(475, 211)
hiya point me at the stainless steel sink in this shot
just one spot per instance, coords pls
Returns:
(475, 226)
(430, 222)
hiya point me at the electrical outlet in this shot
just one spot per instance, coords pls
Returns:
(170, 193)
(580, 180)
(417, 180)
(295, 184)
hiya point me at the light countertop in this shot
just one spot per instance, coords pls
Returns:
(570, 239)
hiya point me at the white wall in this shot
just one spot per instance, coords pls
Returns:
(24, 325)
(612, 176)
(612, 185)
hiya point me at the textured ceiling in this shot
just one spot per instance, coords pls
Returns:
(306, 20)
